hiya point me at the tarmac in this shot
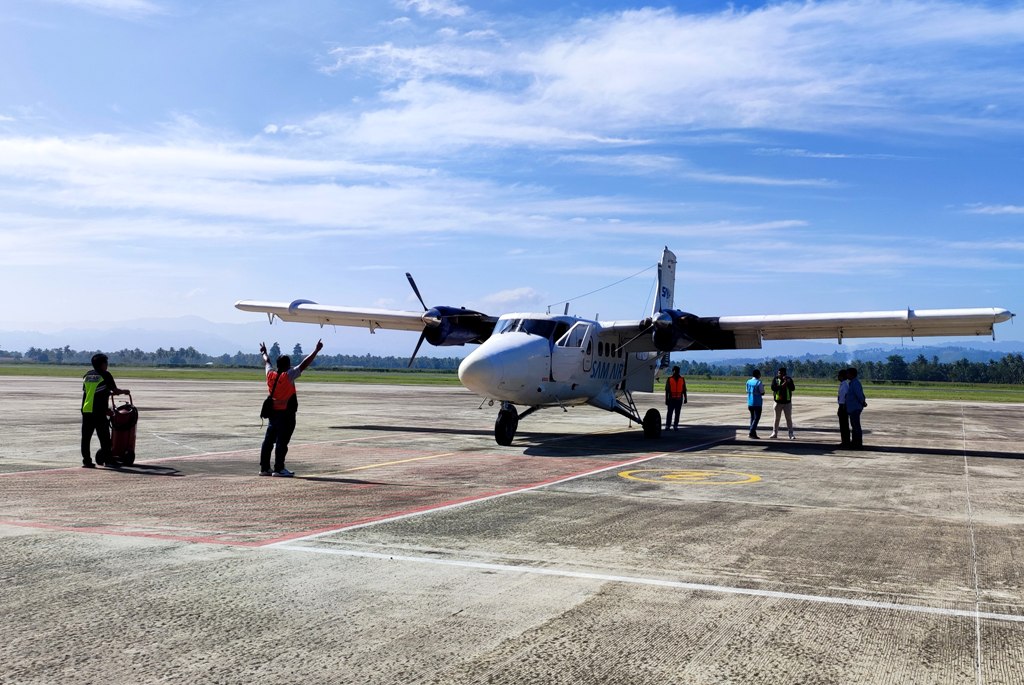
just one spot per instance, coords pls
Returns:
(411, 548)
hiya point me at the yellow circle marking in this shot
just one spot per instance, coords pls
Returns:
(690, 476)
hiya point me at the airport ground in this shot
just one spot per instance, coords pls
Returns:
(413, 549)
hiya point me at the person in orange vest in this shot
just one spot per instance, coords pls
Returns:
(281, 384)
(675, 398)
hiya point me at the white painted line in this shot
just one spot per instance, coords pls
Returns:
(486, 498)
(674, 584)
(974, 552)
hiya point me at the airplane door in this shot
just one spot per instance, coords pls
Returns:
(573, 353)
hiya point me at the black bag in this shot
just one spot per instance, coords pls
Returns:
(268, 407)
(268, 404)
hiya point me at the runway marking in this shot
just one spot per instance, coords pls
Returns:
(974, 549)
(484, 498)
(690, 476)
(386, 463)
(712, 455)
(179, 444)
(658, 582)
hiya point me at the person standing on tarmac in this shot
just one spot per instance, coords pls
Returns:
(855, 403)
(281, 384)
(782, 388)
(97, 387)
(755, 401)
(675, 398)
(844, 418)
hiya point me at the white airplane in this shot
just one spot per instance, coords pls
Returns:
(541, 360)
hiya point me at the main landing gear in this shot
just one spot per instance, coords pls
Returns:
(652, 423)
(507, 423)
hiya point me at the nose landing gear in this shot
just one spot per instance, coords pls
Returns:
(505, 425)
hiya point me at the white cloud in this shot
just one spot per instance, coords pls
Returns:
(513, 298)
(737, 179)
(444, 8)
(809, 154)
(995, 209)
(828, 66)
(125, 8)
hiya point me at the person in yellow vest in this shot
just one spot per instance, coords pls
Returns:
(782, 388)
(675, 398)
(97, 387)
(281, 384)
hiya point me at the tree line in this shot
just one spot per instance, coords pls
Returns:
(190, 357)
(895, 369)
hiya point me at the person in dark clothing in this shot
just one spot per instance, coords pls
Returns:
(782, 389)
(97, 387)
(844, 418)
(281, 384)
(855, 404)
(675, 398)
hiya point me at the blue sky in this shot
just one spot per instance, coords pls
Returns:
(162, 158)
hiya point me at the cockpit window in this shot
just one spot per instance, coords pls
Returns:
(545, 328)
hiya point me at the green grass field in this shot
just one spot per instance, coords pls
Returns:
(980, 392)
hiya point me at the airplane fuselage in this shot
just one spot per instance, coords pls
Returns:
(541, 360)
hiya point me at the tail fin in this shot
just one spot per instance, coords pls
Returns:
(665, 297)
(666, 282)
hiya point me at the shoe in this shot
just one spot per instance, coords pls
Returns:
(754, 436)
(675, 428)
(773, 435)
(88, 465)
(265, 473)
(791, 436)
(283, 473)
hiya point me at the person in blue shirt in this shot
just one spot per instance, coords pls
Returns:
(844, 419)
(755, 393)
(855, 403)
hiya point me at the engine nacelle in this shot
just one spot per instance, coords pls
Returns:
(445, 326)
(675, 330)
(671, 327)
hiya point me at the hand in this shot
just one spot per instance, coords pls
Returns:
(319, 345)
(685, 401)
(263, 348)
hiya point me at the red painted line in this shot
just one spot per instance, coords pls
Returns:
(485, 496)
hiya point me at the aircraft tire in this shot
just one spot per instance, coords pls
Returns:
(652, 423)
(505, 427)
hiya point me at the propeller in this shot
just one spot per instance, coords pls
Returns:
(431, 318)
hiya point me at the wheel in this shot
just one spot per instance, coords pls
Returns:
(652, 424)
(129, 458)
(505, 426)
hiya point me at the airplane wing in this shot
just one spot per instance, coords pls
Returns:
(440, 326)
(680, 331)
(904, 323)
(305, 311)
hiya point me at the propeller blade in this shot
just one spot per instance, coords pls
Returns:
(419, 342)
(417, 291)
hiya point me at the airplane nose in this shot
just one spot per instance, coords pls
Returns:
(482, 373)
